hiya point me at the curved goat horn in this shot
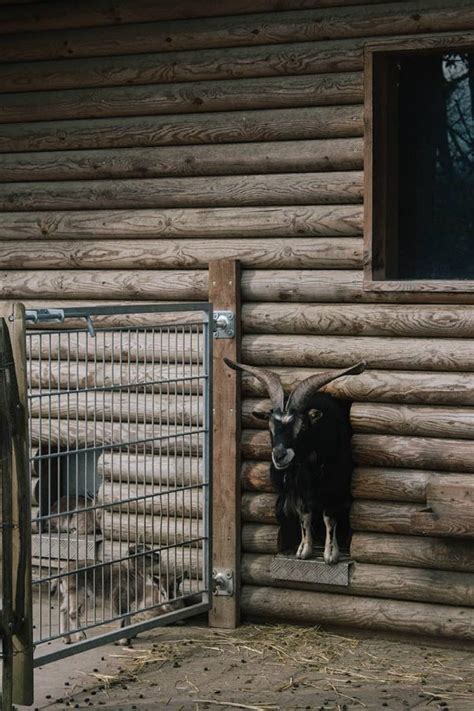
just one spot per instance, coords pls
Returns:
(303, 391)
(269, 379)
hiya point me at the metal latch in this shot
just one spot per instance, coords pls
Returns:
(224, 324)
(37, 315)
(223, 582)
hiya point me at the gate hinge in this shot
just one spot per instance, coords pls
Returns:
(224, 324)
(223, 582)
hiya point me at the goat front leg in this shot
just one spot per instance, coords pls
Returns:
(305, 549)
(331, 549)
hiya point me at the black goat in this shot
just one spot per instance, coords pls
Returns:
(311, 453)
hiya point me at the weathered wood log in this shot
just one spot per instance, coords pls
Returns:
(146, 469)
(255, 476)
(367, 613)
(151, 529)
(359, 319)
(258, 508)
(409, 519)
(383, 484)
(343, 286)
(268, 28)
(453, 455)
(414, 420)
(80, 434)
(115, 407)
(258, 538)
(294, 188)
(142, 377)
(382, 386)
(256, 445)
(203, 65)
(242, 222)
(281, 157)
(385, 581)
(226, 127)
(98, 14)
(318, 252)
(151, 500)
(173, 560)
(413, 551)
(186, 97)
(110, 284)
(342, 351)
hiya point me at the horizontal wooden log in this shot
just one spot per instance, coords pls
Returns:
(97, 12)
(61, 435)
(255, 476)
(173, 560)
(256, 445)
(203, 65)
(226, 127)
(151, 500)
(381, 386)
(413, 420)
(407, 519)
(222, 159)
(267, 28)
(413, 551)
(258, 508)
(117, 407)
(229, 222)
(326, 286)
(385, 581)
(342, 351)
(369, 613)
(146, 469)
(419, 321)
(444, 520)
(110, 284)
(297, 188)
(258, 538)
(150, 529)
(186, 97)
(454, 455)
(384, 484)
(141, 377)
(192, 254)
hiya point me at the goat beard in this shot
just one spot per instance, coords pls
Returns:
(290, 455)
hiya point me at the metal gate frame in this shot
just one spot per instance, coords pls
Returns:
(62, 315)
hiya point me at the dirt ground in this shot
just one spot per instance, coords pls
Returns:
(264, 667)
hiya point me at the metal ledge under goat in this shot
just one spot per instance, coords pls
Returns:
(311, 453)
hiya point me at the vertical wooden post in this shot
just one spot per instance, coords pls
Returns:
(14, 315)
(224, 294)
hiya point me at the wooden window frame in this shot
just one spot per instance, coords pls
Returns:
(380, 184)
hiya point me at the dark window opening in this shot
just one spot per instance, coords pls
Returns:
(423, 165)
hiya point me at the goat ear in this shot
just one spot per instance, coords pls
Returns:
(315, 415)
(262, 415)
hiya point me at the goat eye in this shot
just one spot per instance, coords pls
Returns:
(315, 415)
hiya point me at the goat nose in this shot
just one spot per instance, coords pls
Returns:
(279, 452)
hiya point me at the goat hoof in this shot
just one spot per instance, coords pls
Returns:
(331, 557)
(306, 553)
(124, 642)
(67, 639)
(80, 636)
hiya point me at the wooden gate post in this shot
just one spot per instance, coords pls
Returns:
(224, 294)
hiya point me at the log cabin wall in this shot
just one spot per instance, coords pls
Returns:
(142, 139)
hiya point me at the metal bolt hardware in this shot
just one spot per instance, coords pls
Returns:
(223, 582)
(224, 324)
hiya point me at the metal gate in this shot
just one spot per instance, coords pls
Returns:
(119, 440)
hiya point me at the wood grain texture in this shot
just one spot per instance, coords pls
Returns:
(367, 613)
(224, 294)
(116, 527)
(165, 285)
(413, 551)
(222, 191)
(266, 28)
(413, 420)
(454, 455)
(228, 222)
(258, 538)
(385, 484)
(185, 97)
(145, 469)
(384, 581)
(318, 252)
(258, 508)
(420, 320)
(255, 476)
(281, 157)
(147, 500)
(342, 351)
(267, 125)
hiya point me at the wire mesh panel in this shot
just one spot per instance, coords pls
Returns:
(119, 428)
